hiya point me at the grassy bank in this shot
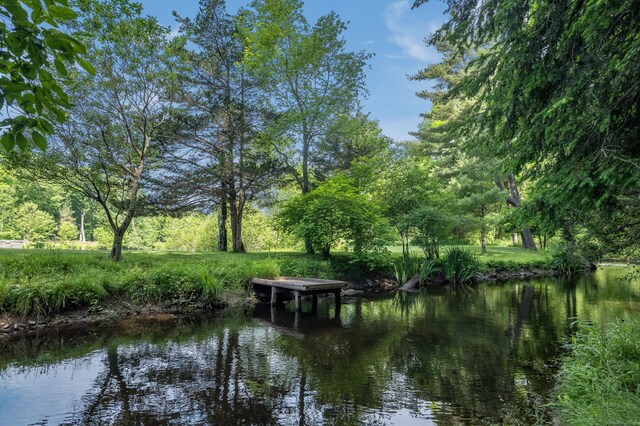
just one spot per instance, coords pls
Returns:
(46, 282)
(497, 257)
(599, 382)
(41, 282)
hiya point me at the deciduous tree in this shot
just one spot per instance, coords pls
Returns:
(104, 148)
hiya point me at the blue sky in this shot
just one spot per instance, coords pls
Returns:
(387, 28)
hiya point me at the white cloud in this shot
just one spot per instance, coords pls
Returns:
(175, 32)
(408, 32)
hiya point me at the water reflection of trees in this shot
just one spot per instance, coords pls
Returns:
(188, 383)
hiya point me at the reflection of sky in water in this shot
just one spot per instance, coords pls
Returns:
(29, 395)
(420, 360)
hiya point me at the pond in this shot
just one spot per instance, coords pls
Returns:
(474, 356)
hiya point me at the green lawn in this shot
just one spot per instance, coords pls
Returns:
(494, 254)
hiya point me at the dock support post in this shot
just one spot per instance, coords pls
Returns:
(338, 301)
(296, 321)
(314, 303)
(274, 296)
(296, 296)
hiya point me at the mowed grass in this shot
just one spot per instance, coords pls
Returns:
(44, 282)
(495, 254)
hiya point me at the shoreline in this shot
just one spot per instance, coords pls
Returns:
(14, 326)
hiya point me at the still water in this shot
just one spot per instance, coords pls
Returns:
(478, 356)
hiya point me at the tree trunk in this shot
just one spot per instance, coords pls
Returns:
(116, 248)
(514, 200)
(236, 236)
(119, 231)
(82, 236)
(308, 247)
(483, 238)
(514, 238)
(222, 227)
(235, 208)
(405, 243)
(305, 187)
(527, 240)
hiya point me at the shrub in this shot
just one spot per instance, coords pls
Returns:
(460, 266)
(336, 211)
(572, 258)
(406, 267)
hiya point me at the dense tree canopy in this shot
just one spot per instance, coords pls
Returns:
(556, 96)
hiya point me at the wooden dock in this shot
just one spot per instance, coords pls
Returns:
(302, 287)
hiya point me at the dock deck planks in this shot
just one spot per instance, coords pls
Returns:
(302, 287)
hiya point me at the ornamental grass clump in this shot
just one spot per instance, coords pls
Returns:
(411, 265)
(460, 266)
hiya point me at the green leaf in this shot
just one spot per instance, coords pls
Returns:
(86, 66)
(44, 125)
(60, 67)
(39, 140)
(61, 115)
(21, 141)
(62, 12)
(8, 141)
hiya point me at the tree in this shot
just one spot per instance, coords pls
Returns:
(33, 224)
(556, 94)
(67, 229)
(472, 171)
(336, 211)
(216, 153)
(406, 185)
(309, 77)
(477, 195)
(35, 56)
(354, 145)
(104, 148)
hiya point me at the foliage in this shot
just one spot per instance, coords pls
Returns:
(599, 380)
(406, 267)
(32, 223)
(102, 150)
(215, 153)
(555, 96)
(36, 56)
(334, 212)
(572, 258)
(67, 229)
(282, 47)
(407, 186)
(460, 266)
(354, 145)
(432, 225)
